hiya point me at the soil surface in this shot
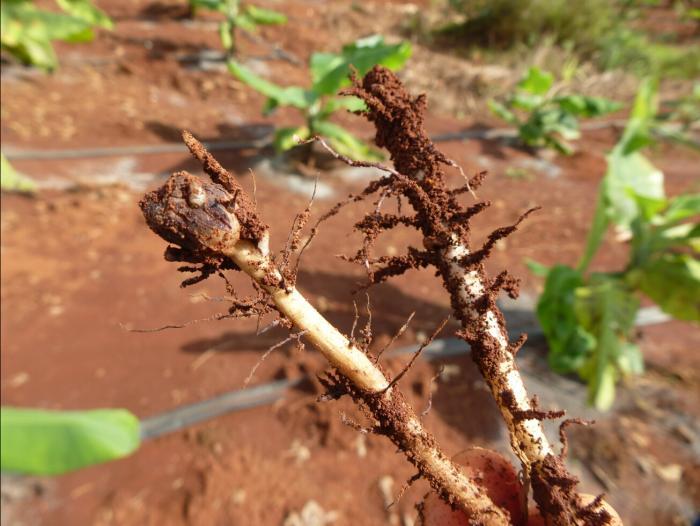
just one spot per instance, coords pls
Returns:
(80, 268)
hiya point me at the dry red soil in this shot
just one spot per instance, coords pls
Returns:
(79, 268)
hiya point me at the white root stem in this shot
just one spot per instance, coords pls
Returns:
(348, 359)
(357, 366)
(527, 436)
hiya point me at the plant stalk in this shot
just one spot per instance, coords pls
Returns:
(210, 222)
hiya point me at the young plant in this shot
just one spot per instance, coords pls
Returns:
(41, 442)
(27, 31)
(217, 226)
(317, 104)
(237, 16)
(588, 318)
(545, 119)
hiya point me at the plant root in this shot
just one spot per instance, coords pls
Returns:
(217, 222)
(444, 223)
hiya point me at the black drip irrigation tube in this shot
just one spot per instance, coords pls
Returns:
(238, 400)
(16, 154)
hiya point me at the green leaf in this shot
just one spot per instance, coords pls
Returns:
(226, 34)
(606, 309)
(531, 133)
(637, 131)
(39, 53)
(682, 207)
(629, 175)
(526, 101)
(265, 16)
(597, 232)
(286, 138)
(212, 5)
(672, 281)
(630, 359)
(13, 181)
(334, 104)
(27, 32)
(245, 22)
(650, 208)
(559, 145)
(502, 112)
(290, 96)
(53, 442)
(345, 142)
(568, 342)
(587, 106)
(538, 269)
(330, 72)
(536, 81)
(86, 11)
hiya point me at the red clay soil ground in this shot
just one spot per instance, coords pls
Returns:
(79, 268)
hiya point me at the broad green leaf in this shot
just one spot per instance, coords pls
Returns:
(330, 72)
(53, 442)
(345, 142)
(286, 138)
(672, 281)
(536, 81)
(13, 181)
(321, 64)
(583, 106)
(265, 16)
(526, 101)
(629, 175)
(85, 10)
(502, 112)
(568, 341)
(290, 96)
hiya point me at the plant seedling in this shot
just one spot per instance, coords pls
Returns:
(588, 319)
(329, 73)
(544, 119)
(238, 16)
(27, 31)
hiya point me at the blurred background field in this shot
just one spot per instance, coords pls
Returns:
(95, 127)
